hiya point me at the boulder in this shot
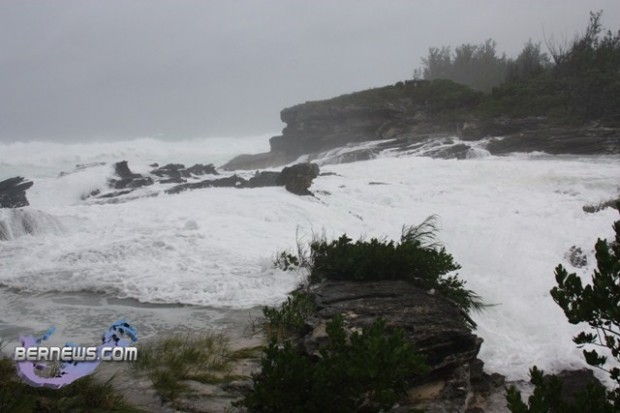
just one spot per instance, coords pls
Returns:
(298, 178)
(576, 257)
(200, 169)
(575, 382)
(128, 179)
(435, 326)
(262, 179)
(458, 151)
(13, 192)
(171, 170)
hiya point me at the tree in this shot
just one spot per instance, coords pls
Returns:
(530, 62)
(477, 66)
(589, 71)
(597, 304)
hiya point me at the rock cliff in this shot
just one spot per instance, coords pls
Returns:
(416, 110)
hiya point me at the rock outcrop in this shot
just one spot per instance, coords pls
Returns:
(13, 192)
(298, 178)
(128, 179)
(176, 173)
(434, 325)
(417, 110)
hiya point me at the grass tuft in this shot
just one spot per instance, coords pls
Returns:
(171, 360)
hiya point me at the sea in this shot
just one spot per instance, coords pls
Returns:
(203, 259)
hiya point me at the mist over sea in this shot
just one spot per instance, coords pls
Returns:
(191, 260)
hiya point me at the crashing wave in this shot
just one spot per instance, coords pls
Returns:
(17, 222)
(475, 153)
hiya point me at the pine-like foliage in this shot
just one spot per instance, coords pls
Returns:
(547, 398)
(598, 304)
(355, 373)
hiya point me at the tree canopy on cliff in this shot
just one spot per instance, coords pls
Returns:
(477, 66)
(580, 82)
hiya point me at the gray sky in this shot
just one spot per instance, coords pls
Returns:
(114, 69)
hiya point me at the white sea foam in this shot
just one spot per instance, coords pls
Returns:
(507, 220)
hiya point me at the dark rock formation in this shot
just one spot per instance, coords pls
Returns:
(593, 208)
(576, 257)
(200, 169)
(591, 140)
(178, 171)
(258, 161)
(318, 126)
(262, 179)
(417, 110)
(574, 382)
(13, 192)
(128, 179)
(125, 181)
(435, 326)
(458, 151)
(298, 178)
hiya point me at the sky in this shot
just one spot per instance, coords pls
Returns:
(92, 70)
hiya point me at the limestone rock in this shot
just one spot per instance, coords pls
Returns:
(434, 325)
(128, 179)
(13, 192)
(298, 178)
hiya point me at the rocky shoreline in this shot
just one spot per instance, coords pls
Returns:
(319, 126)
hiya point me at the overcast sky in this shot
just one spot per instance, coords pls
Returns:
(115, 69)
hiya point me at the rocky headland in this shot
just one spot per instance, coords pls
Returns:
(420, 111)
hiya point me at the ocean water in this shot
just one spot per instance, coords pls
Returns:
(191, 259)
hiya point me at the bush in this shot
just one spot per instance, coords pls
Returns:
(361, 373)
(598, 305)
(290, 318)
(547, 398)
(418, 258)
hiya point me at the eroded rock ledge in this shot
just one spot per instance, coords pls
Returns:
(417, 110)
(296, 179)
(13, 192)
(436, 327)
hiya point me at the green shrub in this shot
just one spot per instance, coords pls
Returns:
(362, 373)
(547, 398)
(418, 258)
(290, 318)
(286, 261)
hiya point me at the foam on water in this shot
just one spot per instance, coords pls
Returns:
(48, 159)
(507, 220)
(18, 222)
